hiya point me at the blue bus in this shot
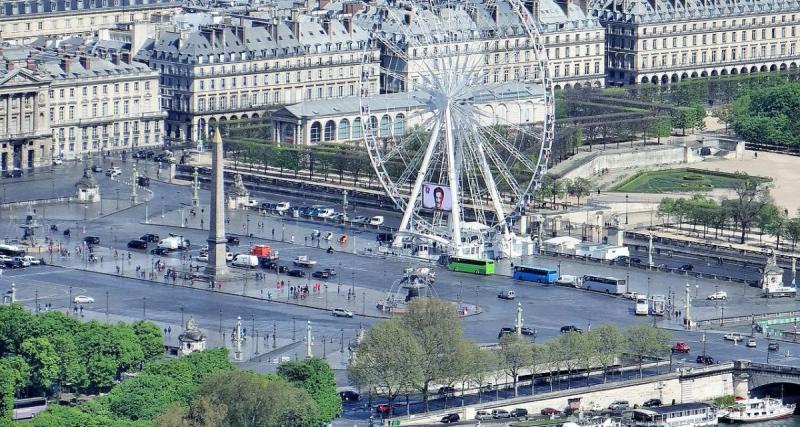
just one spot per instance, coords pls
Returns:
(535, 274)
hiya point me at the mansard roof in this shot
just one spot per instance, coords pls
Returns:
(666, 11)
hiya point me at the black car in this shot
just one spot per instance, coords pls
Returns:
(651, 403)
(636, 260)
(92, 240)
(149, 237)
(15, 173)
(773, 346)
(570, 328)
(137, 244)
(296, 273)
(268, 206)
(321, 275)
(160, 251)
(505, 331)
(143, 181)
(527, 331)
(97, 169)
(330, 271)
(451, 418)
(385, 237)
(446, 391)
(687, 267)
(233, 240)
(348, 396)
(518, 413)
(622, 259)
(704, 360)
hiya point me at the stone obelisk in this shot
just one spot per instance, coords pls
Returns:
(216, 268)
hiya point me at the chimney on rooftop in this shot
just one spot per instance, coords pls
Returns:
(65, 60)
(85, 61)
(115, 58)
(31, 64)
(9, 65)
(348, 24)
(126, 56)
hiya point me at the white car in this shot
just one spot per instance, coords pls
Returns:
(283, 207)
(718, 295)
(228, 256)
(326, 213)
(630, 295)
(57, 161)
(252, 203)
(342, 312)
(202, 257)
(83, 299)
(31, 260)
(361, 219)
(376, 220)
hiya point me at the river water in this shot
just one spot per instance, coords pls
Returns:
(789, 422)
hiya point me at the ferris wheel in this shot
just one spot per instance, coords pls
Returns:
(462, 136)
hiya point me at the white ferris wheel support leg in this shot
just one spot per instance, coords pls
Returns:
(452, 177)
(412, 200)
(497, 204)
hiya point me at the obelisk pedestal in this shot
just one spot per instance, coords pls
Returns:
(216, 268)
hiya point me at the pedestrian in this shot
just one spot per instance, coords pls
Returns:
(292, 239)
(273, 234)
(169, 330)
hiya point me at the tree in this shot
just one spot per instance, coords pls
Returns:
(537, 356)
(609, 343)
(202, 412)
(14, 376)
(14, 327)
(465, 368)
(43, 361)
(579, 187)
(553, 188)
(647, 341)
(151, 339)
(515, 354)
(772, 219)
(688, 117)
(487, 363)
(256, 400)
(315, 377)
(71, 369)
(751, 196)
(568, 348)
(387, 359)
(143, 397)
(793, 231)
(435, 326)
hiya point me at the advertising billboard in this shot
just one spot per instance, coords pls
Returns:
(436, 196)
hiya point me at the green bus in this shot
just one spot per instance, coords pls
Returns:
(471, 265)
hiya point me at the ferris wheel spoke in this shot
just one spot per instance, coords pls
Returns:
(510, 149)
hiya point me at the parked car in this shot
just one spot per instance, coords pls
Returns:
(296, 273)
(57, 162)
(446, 391)
(31, 260)
(704, 360)
(383, 408)
(376, 220)
(282, 207)
(505, 331)
(92, 240)
(326, 213)
(330, 271)
(651, 403)
(631, 295)
(550, 412)
(348, 395)
(634, 260)
(143, 181)
(619, 405)
(687, 267)
(570, 328)
(500, 413)
(622, 259)
(14, 173)
(527, 331)
(680, 347)
(483, 415)
(149, 237)
(321, 275)
(450, 418)
(83, 299)
(518, 413)
(360, 219)
(342, 312)
(506, 294)
(137, 244)
(718, 295)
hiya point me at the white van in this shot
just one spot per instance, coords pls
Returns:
(245, 260)
(376, 220)
(282, 207)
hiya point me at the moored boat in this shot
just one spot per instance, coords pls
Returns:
(680, 415)
(755, 410)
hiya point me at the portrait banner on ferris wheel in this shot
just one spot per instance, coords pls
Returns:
(436, 196)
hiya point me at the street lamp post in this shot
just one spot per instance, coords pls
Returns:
(626, 209)
(144, 308)
(182, 316)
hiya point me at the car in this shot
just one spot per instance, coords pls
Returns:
(229, 256)
(549, 412)
(527, 331)
(97, 169)
(446, 391)
(506, 294)
(296, 273)
(500, 413)
(704, 360)
(282, 207)
(19, 262)
(518, 413)
(160, 251)
(326, 213)
(483, 415)
(348, 395)
(341, 312)
(383, 408)
(137, 244)
(634, 260)
(143, 181)
(376, 220)
(718, 295)
(83, 299)
(662, 266)
(631, 295)
(92, 240)
(232, 240)
(751, 343)
(505, 331)
(320, 275)
(384, 237)
(360, 219)
(57, 162)
(31, 260)
(570, 328)
(595, 407)
(330, 271)
(651, 403)
(203, 257)
(150, 237)
(619, 405)
(622, 259)
(450, 418)
(773, 346)
(113, 171)
(686, 267)
(252, 203)
(680, 347)
(568, 280)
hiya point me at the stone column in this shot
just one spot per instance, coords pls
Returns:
(216, 267)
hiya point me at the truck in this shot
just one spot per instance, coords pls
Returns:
(303, 261)
(173, 243)
(245, 260)
(657, 304)
(264, 252)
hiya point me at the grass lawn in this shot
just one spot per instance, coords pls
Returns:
(683, 179)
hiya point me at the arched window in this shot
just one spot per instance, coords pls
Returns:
(344, 130)
(373, 125)
(385, 123)
(330, 130)
(399, 128)
(316, 131)
(357, 130)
